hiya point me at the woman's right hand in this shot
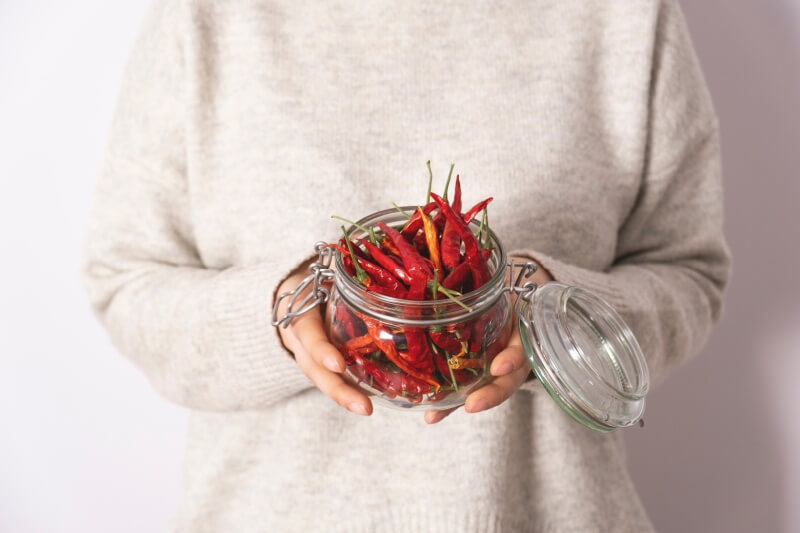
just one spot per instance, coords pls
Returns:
(318, 359)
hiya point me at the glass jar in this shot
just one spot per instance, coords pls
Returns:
(432, 354)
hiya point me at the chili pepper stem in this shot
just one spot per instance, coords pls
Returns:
(483, 223)
(401, 210)
(435, 290)
(369, 231)
(447, 183)
(361, 275)
(451, 295)
(430, 182)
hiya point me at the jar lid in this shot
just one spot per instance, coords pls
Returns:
(585, 355)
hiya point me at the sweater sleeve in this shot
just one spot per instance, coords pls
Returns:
(202, 336)
(672, 262)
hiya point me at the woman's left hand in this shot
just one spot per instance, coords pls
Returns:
(510, 368)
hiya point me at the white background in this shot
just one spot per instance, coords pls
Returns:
(87, 446)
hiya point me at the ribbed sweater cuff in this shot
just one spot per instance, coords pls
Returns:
(255, 360)
(430, 519)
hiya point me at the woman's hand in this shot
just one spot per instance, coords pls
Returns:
(510, 369)
(318, 359)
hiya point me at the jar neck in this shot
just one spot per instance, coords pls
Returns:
(421, 313)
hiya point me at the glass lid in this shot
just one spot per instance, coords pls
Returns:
(585, 355)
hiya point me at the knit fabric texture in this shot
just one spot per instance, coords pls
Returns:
(242, 126)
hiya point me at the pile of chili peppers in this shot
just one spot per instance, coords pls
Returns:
(433, 256)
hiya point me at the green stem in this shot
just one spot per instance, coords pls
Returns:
(430, 182)
(450, 294)
(447, 183)
(435, 291)
(369, 231)
(361, 276)
(401, 210)
(483, 223)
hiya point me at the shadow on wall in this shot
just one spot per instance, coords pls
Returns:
(716, 454)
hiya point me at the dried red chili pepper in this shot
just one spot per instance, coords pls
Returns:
(456, 276)
(380, 275)
(432, 240)
(386, 262)
(371, 276)
(439, 220)
(451, 246)
(475, 209)
(380, 378)
(356, 250)
(459, 274)
(414, 223)
(451, 242)
(414, 263)
(445, 340)
(456, 203)
(477, 264)
(383, 340)
(419, 351)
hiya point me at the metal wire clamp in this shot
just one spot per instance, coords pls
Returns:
(321, 272)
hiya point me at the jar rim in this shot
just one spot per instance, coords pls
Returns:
(396, 310)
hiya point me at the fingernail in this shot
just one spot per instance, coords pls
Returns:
(331, 364)
(358, 408)
(503, 369)
(477, 406)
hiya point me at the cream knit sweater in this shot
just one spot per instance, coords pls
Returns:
(242, 126)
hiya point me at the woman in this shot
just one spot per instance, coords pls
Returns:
(243, 126)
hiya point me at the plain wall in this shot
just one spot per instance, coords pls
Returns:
(86, 445)
(721, 447)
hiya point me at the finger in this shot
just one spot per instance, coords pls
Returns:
(510, 360)
(311, 336)
(432, 417)
(333, 386)
(498, 391)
